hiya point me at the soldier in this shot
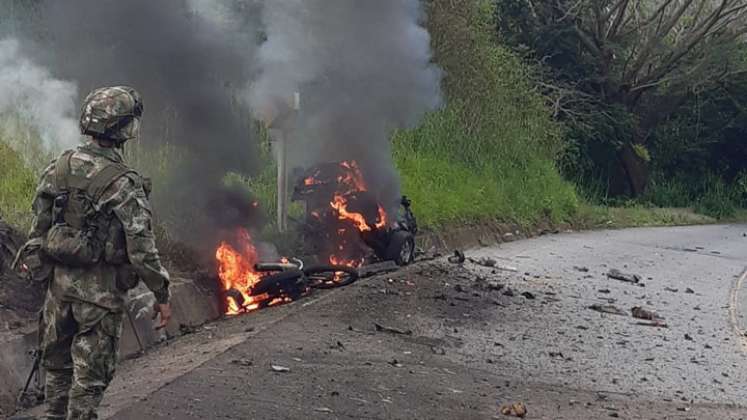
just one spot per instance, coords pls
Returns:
(92, 223)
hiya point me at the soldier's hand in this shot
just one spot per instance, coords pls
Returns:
(165, 311)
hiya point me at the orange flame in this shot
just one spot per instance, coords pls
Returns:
(236, 271)
(334, 260)
(340, 204)
(353, 177)
(351, 181)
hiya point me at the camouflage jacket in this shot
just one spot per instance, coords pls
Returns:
(126, 200)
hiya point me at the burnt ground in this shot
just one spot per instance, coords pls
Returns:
(459, 341)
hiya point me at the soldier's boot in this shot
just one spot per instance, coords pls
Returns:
(57, 388)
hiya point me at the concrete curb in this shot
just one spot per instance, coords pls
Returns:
(737, 307)
(474, 236)
(192, 306)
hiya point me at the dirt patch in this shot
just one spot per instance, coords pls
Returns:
(10, 241)
(19, 298)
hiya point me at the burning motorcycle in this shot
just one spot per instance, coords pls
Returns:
(344, 222)
(289, 280)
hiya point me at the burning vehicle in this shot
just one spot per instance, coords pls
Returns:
(344, 227)
(345, 221)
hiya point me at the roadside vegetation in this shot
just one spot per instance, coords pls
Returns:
(548, 119)
(17, 184)
(652, 95)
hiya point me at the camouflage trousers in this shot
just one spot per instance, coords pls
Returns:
(79, 345)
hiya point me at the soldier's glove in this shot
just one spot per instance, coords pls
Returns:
(31, 264)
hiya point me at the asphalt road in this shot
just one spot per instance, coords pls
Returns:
(465, 344)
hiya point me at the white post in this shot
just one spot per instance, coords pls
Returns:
(278, 137)
(281, 142)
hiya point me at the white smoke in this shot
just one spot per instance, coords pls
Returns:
(42, 102)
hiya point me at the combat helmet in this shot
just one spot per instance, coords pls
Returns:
(112, 113)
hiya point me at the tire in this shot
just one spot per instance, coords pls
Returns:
(330, 276)
(401, 248)
(286, 282)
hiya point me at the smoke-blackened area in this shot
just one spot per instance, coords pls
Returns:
(363, 69)
(187, 64)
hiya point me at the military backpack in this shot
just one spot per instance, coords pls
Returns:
(80, 229)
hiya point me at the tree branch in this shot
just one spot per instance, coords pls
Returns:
(622, 8)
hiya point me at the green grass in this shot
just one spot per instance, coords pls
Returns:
(446, 189)
(603, 217)
(17, 185)
(709, 195)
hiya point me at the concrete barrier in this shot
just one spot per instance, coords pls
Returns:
(191, 305)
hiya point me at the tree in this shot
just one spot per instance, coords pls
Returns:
(644, 56)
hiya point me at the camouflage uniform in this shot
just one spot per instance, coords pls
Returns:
(83, 310)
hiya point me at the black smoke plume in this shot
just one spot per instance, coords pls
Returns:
(187, 58)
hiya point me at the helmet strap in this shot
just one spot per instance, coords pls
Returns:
(104, 142)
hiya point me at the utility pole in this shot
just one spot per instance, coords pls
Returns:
(280, 137)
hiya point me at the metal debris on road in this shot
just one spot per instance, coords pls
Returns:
(492, 263)
(242, 362)
(556, 354)
(645, 314)
(280, 369)
(438, 350)
(485, 262)
(516, 409)
(659, 323)
(381, 328)
(640, 313)
(324, 410)
(458, 257)
(628, 278)
(396, 363)
(607, 309)
(494, 286)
